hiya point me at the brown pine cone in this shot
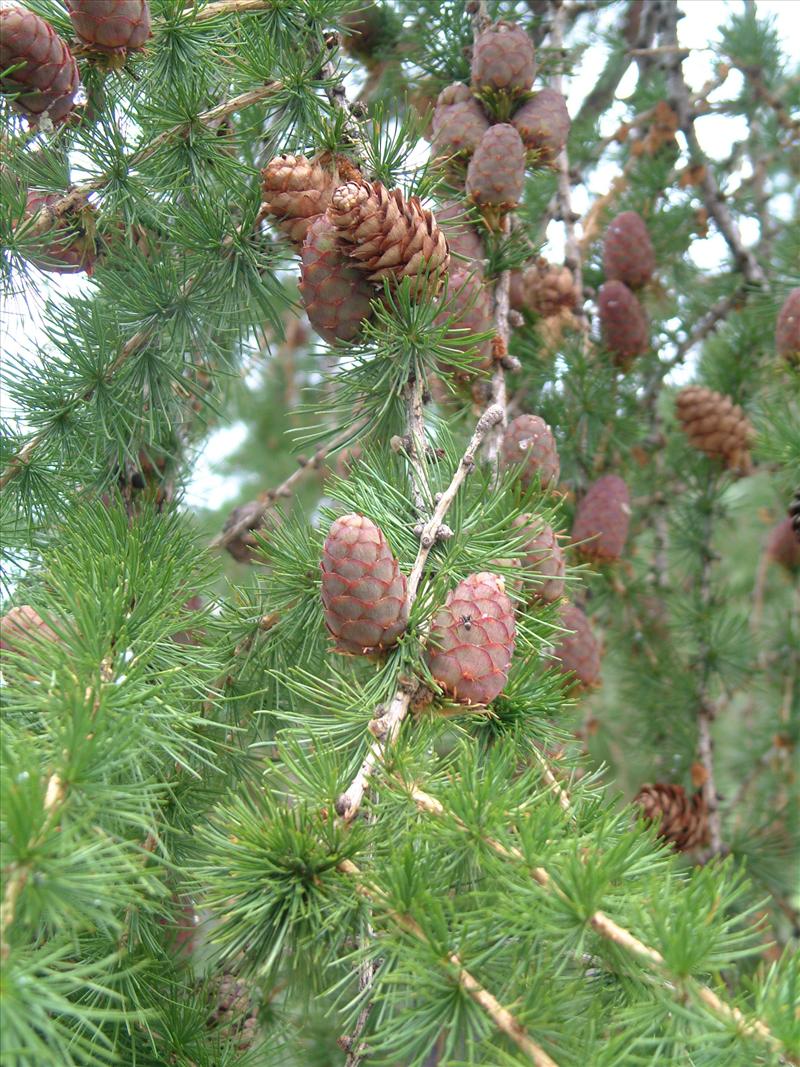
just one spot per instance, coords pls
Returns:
(496, 172)
(549, 289)
(529, 440)
(46, 75)
(783, 545)
(363, 588)
(388, 236)
(715, 426)
(503, 59)
(67, 246)
(602, 518)
(623, 323)
(628, 254)
(787, 328)
(22, 625)
(543, 123)
(234, 1016)
(578, 652)
(335, 295)
(244, 546)
(459, 121)
(472, 640)
(469, 307)
(466, 247)
(683, 819)
(543, 558)
(365, 32)
(111, 26)
(295, 190)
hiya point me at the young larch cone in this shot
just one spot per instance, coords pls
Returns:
(787, 328)
(623, 322)
(111, 26)
(459, 121)
(466, 247)
(783, 545)
(503, 58)
(363, 588)
(46, 75)
(628, 254)
(544, 558)
(548, 289)
(295, 190)
(335, 294)
(469, 307)
(472, 640)
(66, 246)
(715, 425)
(543, 123)
(683, 819)
(388, 236)
(578, 652)
(23, 625)
(496, 172)
(602, 518)
(528, 440)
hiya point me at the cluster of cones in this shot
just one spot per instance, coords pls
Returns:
(628, 262)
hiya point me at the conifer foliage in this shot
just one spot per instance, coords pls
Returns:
(478, 744)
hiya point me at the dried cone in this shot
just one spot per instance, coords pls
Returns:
(783, 545)
(363, 589)
(23, 625)
(623, 323)
(469, 306)
(579, 652)
(67, 246)
(628, 254)
(234, 1017)
(503, 59)
(496, 172)
(243, 546)
(335, 294)
(111, 26)
(46, 74)
(295, 190)
(544, 558)
(602, 518)
(683, 819)
(388, 236)
(715, 425)
(543, 123)
(549, 289)
(459, 121)
(466, 247)
(528, 440)
(787, 329)
(472, 640)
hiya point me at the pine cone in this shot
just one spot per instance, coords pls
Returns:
(244, 546)
(783, 545)
(517, 296)
(503, 59)
(623, 323)
(466, 247)
(472, 640)
(715, 425)
(543, 557)
(363, 589)
(459, 121)
(469, 306)
(67, 247)
(794, 513)
(543, 123)
(296, 190)
(335, 295)
(602, 518)
(529, 440)
(234, 1016)
(628, 254)
(46, 73)
(365, 32)
(496, 172)
(21, 625)
(111, 26)
(549, 289)
(388, 236)
(787, 329)
(683, 819)
(579, 652)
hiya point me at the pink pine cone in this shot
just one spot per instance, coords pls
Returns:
(543, 123)
(623, 322)
(46, 74)
(529, 440)
(472, 640)
(111, 25)
(363, 589)
(459, 121)
(579, 652)
(628, 254)
(543, 558)
(602, 519)
(66, 248)
(469, 309)
(787, 328)
(496, 172)
(503, 58)
(466, 246)
(335, 294)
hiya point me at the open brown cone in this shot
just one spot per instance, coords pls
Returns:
(295, 190)
(715, 425)
(683, 818)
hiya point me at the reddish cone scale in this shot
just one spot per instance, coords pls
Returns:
(529, 440)
(623, 322)
(787, 329)
(543, 559)
(469, 306)
(543, 123)
(472, 640)
(66, 248)
(335, 294)
(503, 58)
(21, 625)
(628, 254)
(579, 652)
(111, 26)
(466, 247)
(602, 519)
(459, 121)
(363, 589)
(496, 172)
(45, 73)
